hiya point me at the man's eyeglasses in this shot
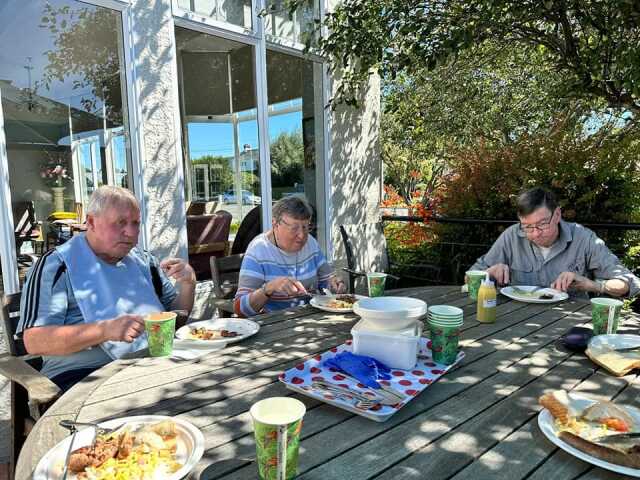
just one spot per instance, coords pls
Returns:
(297, 228)
(542, 226)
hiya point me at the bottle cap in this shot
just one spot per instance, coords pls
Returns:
(488, 282)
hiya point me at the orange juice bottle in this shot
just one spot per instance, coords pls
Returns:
(486, 312)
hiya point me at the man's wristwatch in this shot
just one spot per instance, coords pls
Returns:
(601, 286)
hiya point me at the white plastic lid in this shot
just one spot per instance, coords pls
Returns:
(488, 283)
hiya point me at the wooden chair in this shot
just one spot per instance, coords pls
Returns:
(31, 392)
(207, 236)
(26, 228)
(224, 275)
(366, 250)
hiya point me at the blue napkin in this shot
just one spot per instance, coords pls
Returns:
(367, 370)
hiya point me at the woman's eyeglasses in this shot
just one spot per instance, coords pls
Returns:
(298, 227)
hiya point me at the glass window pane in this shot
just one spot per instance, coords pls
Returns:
(296, 26)
(62, 83)
(296, 130)
(236, 12)
(219, 123)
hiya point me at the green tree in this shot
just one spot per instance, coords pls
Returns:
(222, 167)
(594, 43)
(287, 159)
(87, 49)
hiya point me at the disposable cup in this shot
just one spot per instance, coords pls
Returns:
(444, 343)
(375, 282)
(277, 422)
(474, 279)
(600, 307)
(161, 328)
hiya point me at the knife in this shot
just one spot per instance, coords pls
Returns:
(70, 449)
(616, 437)
(627, 349)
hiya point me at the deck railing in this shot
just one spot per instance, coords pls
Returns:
(457, 242)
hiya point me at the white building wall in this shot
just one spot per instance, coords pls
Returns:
(156, 91)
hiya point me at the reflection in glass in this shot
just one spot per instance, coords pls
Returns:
(297, 26)
(295, 129)
(236, 12)
(219, 122)
(62, 99)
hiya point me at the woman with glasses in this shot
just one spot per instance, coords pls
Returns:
(284, 266)
(544, 250)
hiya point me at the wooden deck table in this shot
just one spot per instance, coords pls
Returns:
(478, 421)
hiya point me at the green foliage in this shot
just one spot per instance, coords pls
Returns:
(287, 159)
(86, 47)
(594, 43)
(222, 168)
(594, 177)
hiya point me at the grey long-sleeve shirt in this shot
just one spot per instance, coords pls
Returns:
(577, 249)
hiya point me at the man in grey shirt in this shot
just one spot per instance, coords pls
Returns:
(544, 250)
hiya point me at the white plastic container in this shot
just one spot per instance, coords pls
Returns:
(396, 349)
(390, 313)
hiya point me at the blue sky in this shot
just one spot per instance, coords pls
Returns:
(217, 138)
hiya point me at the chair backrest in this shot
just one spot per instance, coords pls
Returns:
(208, 228)
(250, 228)
(207, 236)
(10, 313)
(24, 221)
(224, 274)
(366, 247)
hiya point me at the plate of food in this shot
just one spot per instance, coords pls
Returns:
(533, 294)
(618, 353)
(339, 303)
(218, 330)
(142, 447)
(604, 434)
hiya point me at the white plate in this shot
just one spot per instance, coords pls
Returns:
(190, 447)
(548, 427)
(605, 343)
(243, 326)
(558, 296)
(320, 302)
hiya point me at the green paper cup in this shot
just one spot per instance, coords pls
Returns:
(375, 282)
(161, 328)
(600, 307)
(276, 425)
(474, 279)
(444, 342)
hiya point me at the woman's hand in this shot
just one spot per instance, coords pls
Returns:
(286, 285)
(336, 285)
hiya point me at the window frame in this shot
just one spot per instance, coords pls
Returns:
(8, 253)
(260, 40)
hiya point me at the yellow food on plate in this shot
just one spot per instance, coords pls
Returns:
(147, 453)
(342, 301)
(211, 334)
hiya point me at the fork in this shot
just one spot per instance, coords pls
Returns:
(520, 291)
(361, 401)
(99, 431)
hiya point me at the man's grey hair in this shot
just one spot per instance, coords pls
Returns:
(108, 196)
(293, 206)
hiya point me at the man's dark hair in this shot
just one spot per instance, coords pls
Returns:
(531, 200)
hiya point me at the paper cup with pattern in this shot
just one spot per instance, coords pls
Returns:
(277, 422)
(474, 279)
(375, 282)
(444, 341)
(600, 315)
(161, 328)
